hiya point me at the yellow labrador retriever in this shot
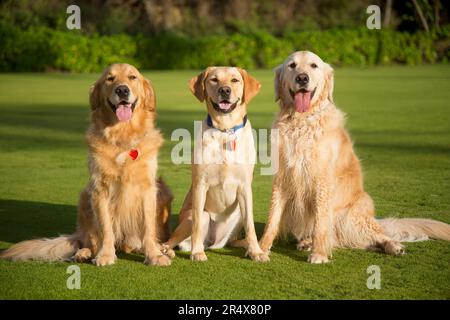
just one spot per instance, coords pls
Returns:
(317, 193)
(219, 203)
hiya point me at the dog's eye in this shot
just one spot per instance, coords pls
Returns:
(110, 78)
(215, 80)
(313, 65)
(292, 65)
(132, 77)
(234, 80)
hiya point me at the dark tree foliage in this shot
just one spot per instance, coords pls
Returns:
(206, 17)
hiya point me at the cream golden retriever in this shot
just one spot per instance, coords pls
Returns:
(318, 193)
(219, 203)
(123, 205)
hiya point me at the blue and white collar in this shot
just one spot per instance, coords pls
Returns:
(231, 130)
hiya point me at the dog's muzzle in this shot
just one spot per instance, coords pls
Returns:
(123, 110)
(224, 106)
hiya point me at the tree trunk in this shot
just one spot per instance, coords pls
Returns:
(387, 14)
(421, 16)
(437, 6)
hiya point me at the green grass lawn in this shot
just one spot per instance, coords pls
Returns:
(399, 118)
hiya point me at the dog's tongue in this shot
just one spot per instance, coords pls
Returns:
(224, 105)
(124, 112)
(302, 101)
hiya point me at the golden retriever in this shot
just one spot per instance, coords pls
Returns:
(219, 203)
(123, 205)
(317, 193)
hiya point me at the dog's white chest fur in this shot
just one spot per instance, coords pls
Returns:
(224, 170)
(214, 147)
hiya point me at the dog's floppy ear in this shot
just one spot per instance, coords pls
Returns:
(329, 82)
(251, 86)
(197, 85)
(149, 95)
(94, 96)
(277, 81)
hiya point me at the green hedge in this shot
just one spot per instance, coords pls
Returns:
(42, 49)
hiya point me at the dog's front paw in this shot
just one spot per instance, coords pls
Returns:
(104, 259)
(200, 256)
(304, 244)
(259, 257)
(317, 258)
(395, 248)
(167, 251)
(160, 261)
(264, 247)
(82, 255)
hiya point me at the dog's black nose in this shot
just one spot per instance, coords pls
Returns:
(123, 92)
(302, 79)
(225, 91)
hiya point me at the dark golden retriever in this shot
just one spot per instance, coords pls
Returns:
(123, 206)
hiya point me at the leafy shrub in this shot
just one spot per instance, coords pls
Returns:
(40, 49)
(24, 50)
(75, 52)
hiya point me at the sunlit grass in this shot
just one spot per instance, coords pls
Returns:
(399, 118)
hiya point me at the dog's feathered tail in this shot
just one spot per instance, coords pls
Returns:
(54, 249)
(414, 229)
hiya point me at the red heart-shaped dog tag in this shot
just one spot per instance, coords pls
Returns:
(233, 145)
(133, 154)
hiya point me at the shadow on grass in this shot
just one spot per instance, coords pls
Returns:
(404, 148)
(130, 256)
(24, 220)
(286, 248)
(74, 119)
(71, 118)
